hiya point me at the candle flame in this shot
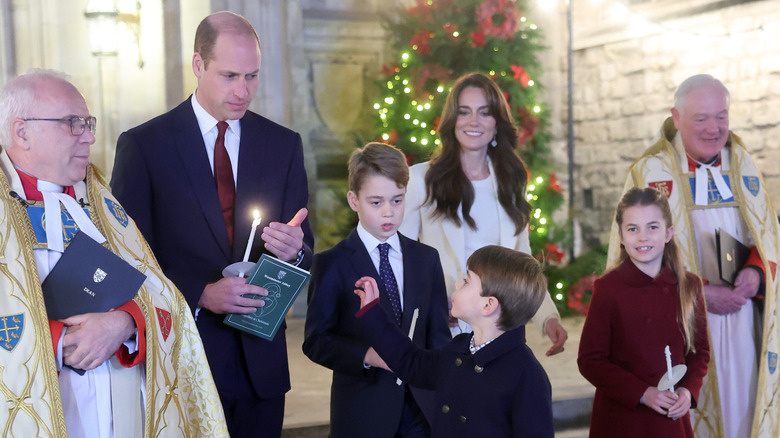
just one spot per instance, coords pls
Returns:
(257, 217)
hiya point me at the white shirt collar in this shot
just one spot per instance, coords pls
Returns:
(372, 242)
(207, 122)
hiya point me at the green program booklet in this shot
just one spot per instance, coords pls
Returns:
(283, 282)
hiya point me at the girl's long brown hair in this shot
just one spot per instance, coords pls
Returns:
(688, 288)
(448, 188)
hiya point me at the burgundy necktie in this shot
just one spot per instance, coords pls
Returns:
(223, 175)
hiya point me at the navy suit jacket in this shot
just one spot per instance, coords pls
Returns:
(499, 391)
(163, 179)
(368, 402)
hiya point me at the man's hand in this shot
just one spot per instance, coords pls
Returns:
(747, 282)
(224, 296)
(659, 401)
(92, 338)
(367, 290)
(721, 300)
(373, 359)
(285, 240)
(557, 335)
(682, 405)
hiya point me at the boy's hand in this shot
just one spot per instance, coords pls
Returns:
(659, 401)
(372, 358)
(367, 290)
(682, 405)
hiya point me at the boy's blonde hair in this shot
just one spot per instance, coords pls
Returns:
(377, 159)
(514, 278)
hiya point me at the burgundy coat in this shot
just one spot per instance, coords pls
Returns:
(632, 317)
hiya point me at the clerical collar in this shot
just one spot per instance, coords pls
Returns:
(693, 163)
(33, 187)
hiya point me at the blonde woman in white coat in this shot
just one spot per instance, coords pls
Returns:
(472, 192)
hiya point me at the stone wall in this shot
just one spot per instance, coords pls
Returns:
(625, 78)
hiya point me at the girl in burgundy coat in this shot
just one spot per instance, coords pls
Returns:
(638, 307)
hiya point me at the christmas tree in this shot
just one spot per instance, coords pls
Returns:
(435, 42)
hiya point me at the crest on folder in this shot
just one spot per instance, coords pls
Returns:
(99, 275)
(11, 327)
(772, 361)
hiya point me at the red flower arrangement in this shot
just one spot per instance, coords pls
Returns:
(419, 42)
(529, 124)
(554, 183)
(554, 255)
(421, 10)
(498, 18)
(520, 75)
(580, 293)
(427, 73)
(390, 69)
(449, 27)
(478, 39)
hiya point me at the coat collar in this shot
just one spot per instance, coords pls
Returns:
(508, 341)
(633, 276)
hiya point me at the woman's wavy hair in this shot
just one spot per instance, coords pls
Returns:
(689, 286)
(448, 188)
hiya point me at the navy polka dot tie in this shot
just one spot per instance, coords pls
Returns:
(388, 278)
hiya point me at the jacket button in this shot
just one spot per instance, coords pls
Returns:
(478, 368)
(458, 362)
(462, 419)
(445, 409)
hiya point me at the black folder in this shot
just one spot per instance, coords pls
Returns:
(732, 255)
(89, 278)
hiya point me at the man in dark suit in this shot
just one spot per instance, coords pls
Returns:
(191, 179)
(367, 400)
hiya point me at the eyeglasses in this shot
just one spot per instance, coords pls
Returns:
(77, 124)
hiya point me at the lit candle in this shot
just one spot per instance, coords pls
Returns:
(255, 223)
(668, 354)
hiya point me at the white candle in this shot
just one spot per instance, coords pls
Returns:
(668, 354)
(255, 223)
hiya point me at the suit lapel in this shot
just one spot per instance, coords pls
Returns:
(192, 152)
(364, 266)
(252, 174)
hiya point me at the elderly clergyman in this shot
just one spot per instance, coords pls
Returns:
(145, 370)
(713, 185)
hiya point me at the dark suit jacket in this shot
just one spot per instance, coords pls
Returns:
(499, 391)
(368, 402)
(163, 179)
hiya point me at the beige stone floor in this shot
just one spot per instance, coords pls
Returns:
(308, 401)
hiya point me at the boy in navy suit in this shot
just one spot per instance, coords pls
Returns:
(488, 383)
(366, 398)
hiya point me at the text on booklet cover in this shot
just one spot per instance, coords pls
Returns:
(283, 282)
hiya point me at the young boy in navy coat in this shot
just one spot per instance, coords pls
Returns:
(488, 383)
(366, 399)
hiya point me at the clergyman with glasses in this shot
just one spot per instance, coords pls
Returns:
(91, 374)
